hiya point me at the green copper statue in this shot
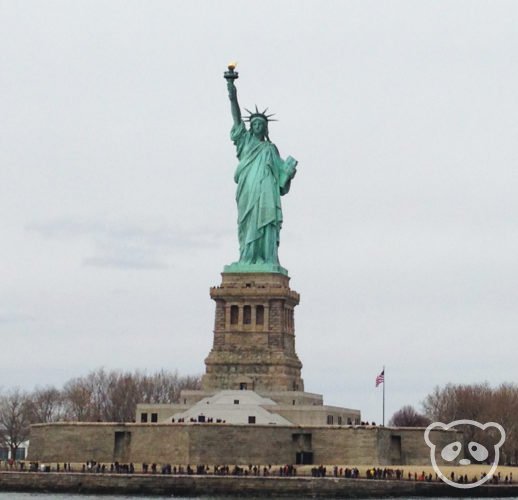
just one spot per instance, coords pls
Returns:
(262, 177)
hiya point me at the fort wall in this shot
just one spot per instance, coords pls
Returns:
(219, 444)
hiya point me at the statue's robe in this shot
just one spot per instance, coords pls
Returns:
(262, 177)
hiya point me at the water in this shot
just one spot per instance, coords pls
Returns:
(70, 496)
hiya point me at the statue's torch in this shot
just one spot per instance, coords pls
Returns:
(231, 75)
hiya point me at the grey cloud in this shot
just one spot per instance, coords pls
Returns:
(127, 250)
(121, 262)
(14, 317)
(65, 228)
(143, 244)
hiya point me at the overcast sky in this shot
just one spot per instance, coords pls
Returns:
(117, 193)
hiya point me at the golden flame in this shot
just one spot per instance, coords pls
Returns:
(232, 65)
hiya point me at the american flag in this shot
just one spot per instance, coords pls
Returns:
(380, 379)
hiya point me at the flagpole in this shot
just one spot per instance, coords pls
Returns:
(384, 378)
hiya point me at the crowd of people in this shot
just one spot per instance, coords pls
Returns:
(354, 473)
(495, 479)
(288, 470)
(198, 420)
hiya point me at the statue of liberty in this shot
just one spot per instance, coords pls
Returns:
(262, 177)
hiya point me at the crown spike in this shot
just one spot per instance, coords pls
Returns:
(258, 114)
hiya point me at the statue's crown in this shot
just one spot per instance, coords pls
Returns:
(258, 114)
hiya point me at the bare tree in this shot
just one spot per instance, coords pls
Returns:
(76, 399)
(108, 396)
(505, 408)
(165, 387)
(481, 403)
(455, 402)
(125, 394)
(46, 405)
(113, 396)
(408, 416)
(15, 419)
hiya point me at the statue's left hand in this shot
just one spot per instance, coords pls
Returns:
(292, 163)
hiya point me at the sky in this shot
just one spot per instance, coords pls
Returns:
(117, 194)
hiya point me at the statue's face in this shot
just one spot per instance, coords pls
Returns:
(258, 127)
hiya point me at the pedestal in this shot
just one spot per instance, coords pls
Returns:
(254, 335)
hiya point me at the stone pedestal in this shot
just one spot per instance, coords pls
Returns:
(254, 335)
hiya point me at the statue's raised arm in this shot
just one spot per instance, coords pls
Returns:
(230, 77)
(234, 105)
(262, 177)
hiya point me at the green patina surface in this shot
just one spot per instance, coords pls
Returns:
(240, 267)
(262, 177)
